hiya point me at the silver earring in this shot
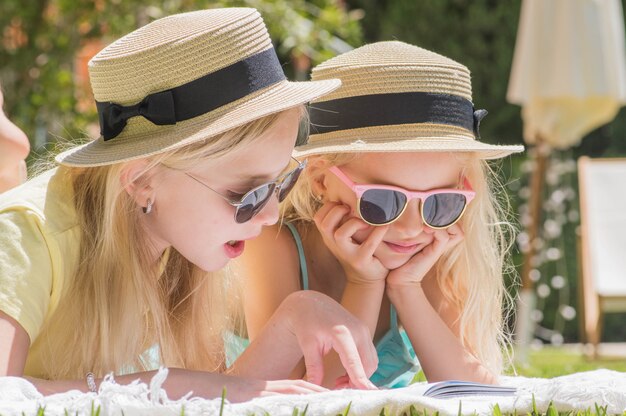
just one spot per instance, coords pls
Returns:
(147, 209)
(320, 197)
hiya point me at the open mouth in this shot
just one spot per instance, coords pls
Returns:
(234, 248)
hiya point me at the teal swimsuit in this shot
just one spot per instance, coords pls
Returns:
(397, 363)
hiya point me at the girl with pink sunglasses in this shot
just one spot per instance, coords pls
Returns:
(396, 217)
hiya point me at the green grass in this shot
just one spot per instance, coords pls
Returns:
(553, 362)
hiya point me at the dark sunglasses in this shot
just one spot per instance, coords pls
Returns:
(254, 200)
(382, 204)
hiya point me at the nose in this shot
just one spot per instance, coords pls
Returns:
(269, 214)
(410, 223)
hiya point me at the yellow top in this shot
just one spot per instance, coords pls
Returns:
(39, 242)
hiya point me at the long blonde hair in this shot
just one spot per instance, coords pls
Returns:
(119, 303)
(469, 275)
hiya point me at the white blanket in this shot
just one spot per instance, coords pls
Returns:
(578, 391)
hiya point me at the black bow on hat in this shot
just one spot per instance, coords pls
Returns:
(478, 116)
(158, 108)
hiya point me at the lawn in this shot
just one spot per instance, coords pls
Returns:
(551, 362)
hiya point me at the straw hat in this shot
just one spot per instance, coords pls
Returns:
(185, 78)
(396, 97)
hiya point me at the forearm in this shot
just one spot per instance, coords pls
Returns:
(178, 383)
(12, 175)
(363, 301)
(439, 350)
(273, 353)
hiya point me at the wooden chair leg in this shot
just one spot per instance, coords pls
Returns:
(599, 326)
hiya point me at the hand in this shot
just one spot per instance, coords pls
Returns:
(274, 387)
(413, 271)
(238, 389)
(320, 324)
(241, 389)
(337, 229)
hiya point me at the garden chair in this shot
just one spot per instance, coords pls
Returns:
(602, 256)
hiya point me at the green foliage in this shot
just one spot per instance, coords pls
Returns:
(414, 411)
(419, 377)
(95, 411)
(346, 411)
(223, 401)
(296, 411)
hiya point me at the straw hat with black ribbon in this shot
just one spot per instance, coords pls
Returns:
(396, 97)
(186, 78)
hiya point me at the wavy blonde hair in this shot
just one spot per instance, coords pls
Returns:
(470, 275)
(125, 302)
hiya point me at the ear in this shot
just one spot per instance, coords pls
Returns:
(137, 181)
(317, 172)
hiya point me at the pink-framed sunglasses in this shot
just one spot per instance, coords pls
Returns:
(383, 204)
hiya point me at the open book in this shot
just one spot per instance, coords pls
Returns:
(453, 388)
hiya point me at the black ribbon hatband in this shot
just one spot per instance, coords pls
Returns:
(394, 108)
(196, 97)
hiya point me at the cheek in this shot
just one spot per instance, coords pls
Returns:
(198, 230)
(345, 196)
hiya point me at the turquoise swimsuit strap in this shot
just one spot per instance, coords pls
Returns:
(393, 318)
(304, 275)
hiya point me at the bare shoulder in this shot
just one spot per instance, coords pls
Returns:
(271, 272)
(274, 247)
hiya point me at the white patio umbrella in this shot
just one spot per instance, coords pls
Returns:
(569, 76)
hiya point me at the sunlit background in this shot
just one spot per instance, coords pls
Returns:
(46, 44)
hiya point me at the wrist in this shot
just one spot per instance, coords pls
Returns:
(401, 278)
(355, 279)
(404, 290)
(365, 284)
(284, 321)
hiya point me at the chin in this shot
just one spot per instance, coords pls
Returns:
(211, 262)
(214, 266)
(395, 263)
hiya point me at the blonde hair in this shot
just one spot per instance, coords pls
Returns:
(125, 302)
(469, 275)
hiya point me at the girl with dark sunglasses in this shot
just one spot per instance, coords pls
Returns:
(109, 263)
(396, 217)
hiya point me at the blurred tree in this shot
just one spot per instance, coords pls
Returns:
(46, 44)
